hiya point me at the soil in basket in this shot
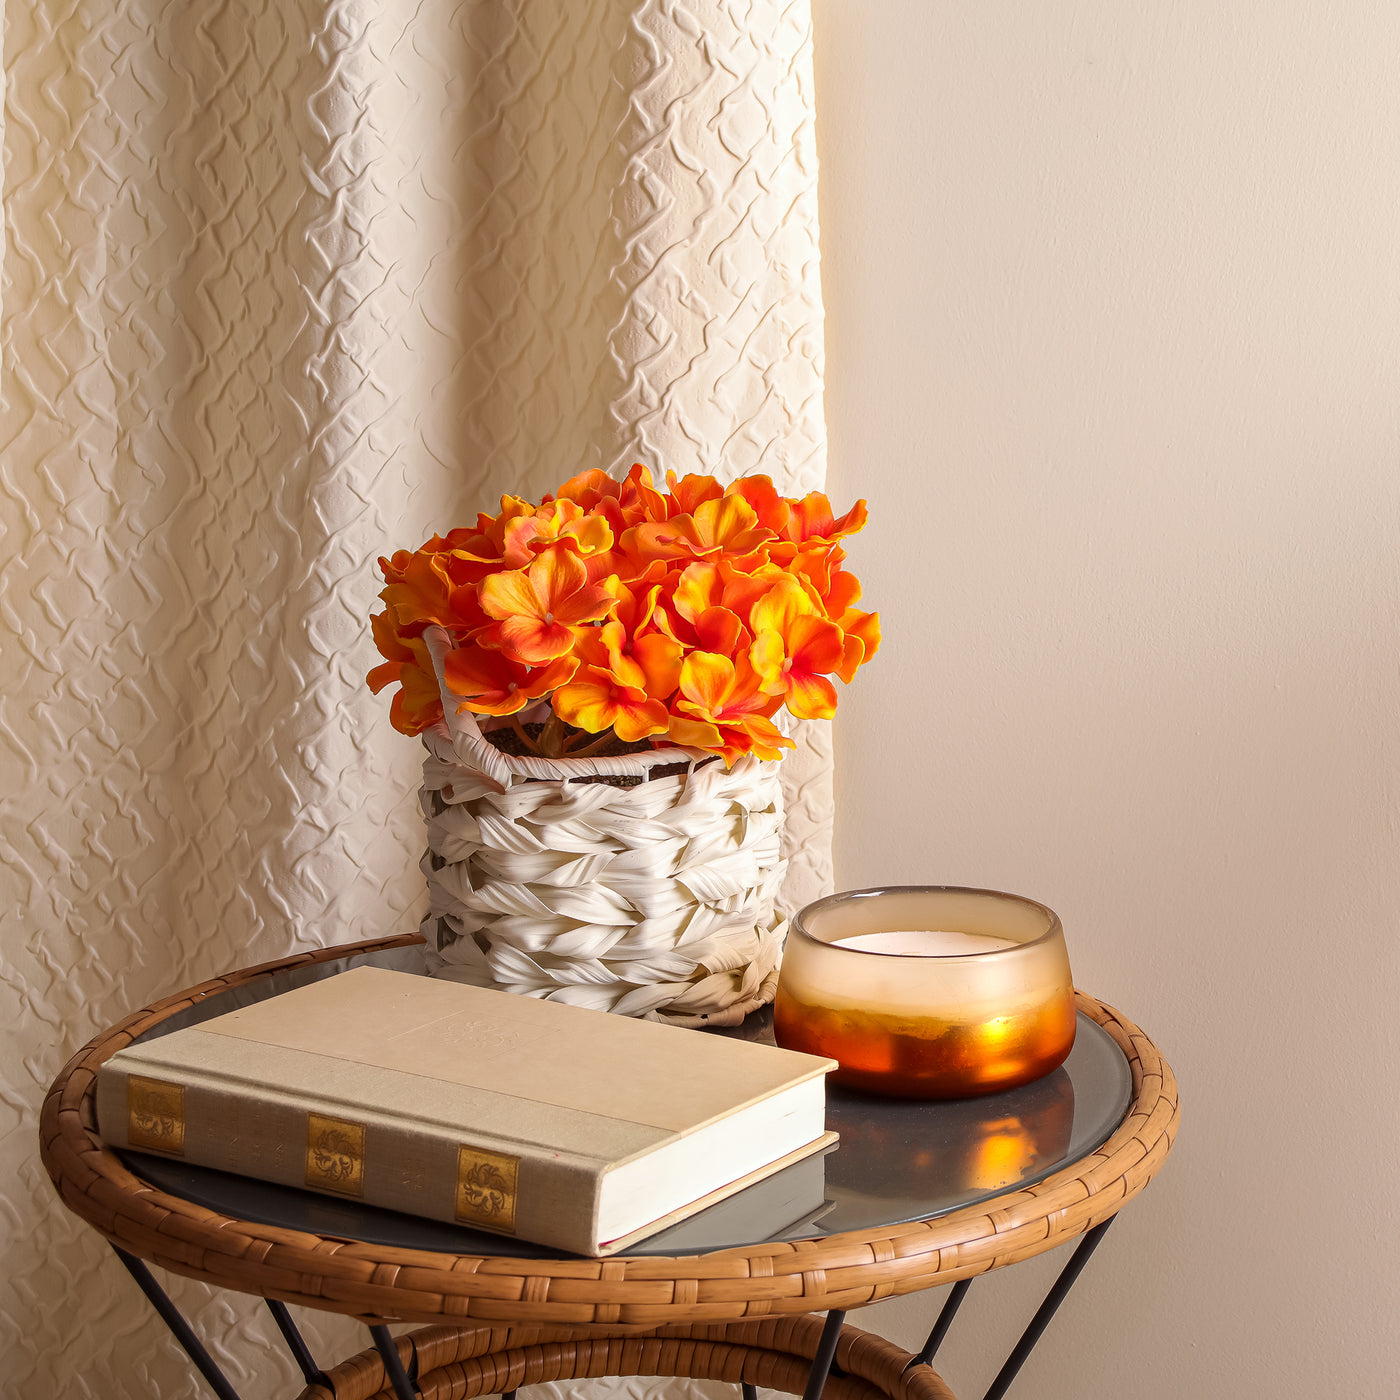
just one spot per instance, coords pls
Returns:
(508, 741)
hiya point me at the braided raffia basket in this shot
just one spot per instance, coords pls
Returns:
(655, 900)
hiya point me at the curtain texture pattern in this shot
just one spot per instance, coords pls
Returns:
(287, 286)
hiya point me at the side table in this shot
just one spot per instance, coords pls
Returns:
(723, 1305)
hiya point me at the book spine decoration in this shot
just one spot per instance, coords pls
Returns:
(155, 1115)
(372, 1158)
(335, 1155)
(486, 1188)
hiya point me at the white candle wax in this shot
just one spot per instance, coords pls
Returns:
(924, 943)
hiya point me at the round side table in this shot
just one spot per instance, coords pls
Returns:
(728, 1295)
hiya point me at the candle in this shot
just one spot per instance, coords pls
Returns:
(924, 942)
(927, 991)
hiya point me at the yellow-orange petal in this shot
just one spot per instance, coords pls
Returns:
(842, 593)
(694, 734)
(765, 739)
(508, 703)
(418, 702)
(780, 607)
(814, 644)
(384, 675)
(866, 626)
(718, 630)
(767, 655)
(386, 638)
(698, 587)
(812, 518)
(510, 594)
(591, 535)
(691, 491)
(591, 603)
(639, 719)
(534, 641)
(706, 681)
(588, 487)
(852, 654)
(724, 519)
(809, 696)
(472, 671)
(551, 677)
(770, 508)
(555, 575)
(659, 658)
(587, 702)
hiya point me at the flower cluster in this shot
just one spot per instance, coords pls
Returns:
(688, 616)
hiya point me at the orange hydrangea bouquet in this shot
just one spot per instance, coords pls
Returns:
(621, 612)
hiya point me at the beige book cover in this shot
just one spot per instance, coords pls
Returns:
(564, 1126)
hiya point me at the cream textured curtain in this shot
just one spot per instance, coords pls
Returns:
(286, 286)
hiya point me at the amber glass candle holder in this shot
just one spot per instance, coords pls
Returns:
(928, 991)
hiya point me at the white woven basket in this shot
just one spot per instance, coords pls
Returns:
(657, 900)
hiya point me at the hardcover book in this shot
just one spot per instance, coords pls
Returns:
(568, 1127)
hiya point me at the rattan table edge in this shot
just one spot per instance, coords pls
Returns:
(378, 1283)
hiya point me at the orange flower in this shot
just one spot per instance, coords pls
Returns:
(795, 649)
(636, 607)
(651, 662)
(687, 615)
(743, 590)
(732, 711)
(419, 589)
(627, 689)
(771, 509)
(496, 685)
(538, 606)
(560, 522)
(694, 615)
(721, 525)
(418, 702)
(811, 518)
(690, 492)
(423, 588)
(627, 501)
(841, 593)
(597, 701)
(862, 629)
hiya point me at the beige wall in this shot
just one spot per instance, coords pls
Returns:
(1113, 349)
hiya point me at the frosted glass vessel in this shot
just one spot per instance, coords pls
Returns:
(928, 991)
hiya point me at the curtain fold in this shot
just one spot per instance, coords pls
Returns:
(286, 287)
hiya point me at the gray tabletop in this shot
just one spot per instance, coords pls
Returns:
(897, 1160)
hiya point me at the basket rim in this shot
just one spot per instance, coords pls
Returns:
(462, 731)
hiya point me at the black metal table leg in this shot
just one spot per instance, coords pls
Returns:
(175, 1321)
(404, 1389)
(945, 1320)
(1047, 1309)
(826, 1354)
(296, 1344)
(750, 1391)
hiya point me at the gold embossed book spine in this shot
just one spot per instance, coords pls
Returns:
(355, 1153)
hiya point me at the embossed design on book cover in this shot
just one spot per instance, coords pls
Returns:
(155, 1115)
(335, 1155)
(486, 1185)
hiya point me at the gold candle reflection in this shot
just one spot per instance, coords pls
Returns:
(975, 1152)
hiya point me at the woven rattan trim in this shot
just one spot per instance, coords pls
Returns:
(455, 1363)
(377, 1283)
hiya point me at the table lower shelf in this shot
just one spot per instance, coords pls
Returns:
(465, 1362)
